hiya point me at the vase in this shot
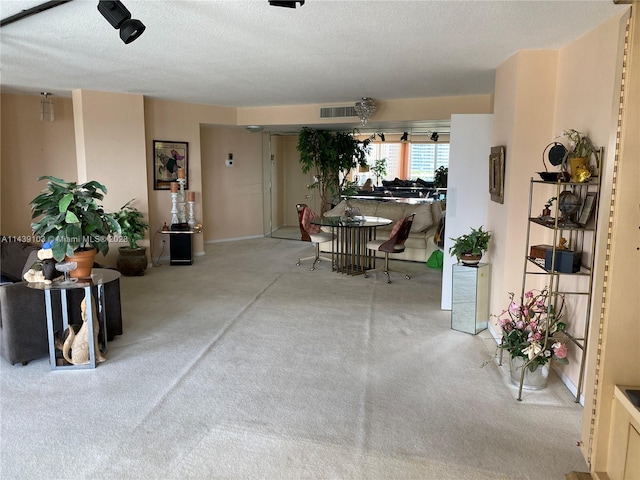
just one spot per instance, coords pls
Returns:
(49, 269)
(532, 380)
(578, 167)
(84, 259)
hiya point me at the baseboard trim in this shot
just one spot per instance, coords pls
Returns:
(235, 239)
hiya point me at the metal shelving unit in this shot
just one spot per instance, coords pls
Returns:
(581, 237)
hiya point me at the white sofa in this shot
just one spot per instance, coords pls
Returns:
(420, 244)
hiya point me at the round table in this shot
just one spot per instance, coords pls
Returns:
(349, 248)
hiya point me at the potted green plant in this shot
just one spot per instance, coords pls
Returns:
(440, 177)
(132, 259)
(330, 156)
(74, 221)
(578, 155)
(469, 248)
(379, 169)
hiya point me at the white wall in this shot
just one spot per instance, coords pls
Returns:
(467, 185)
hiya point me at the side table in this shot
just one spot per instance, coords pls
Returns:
(180, 246)
(470, 298)
(99, 277)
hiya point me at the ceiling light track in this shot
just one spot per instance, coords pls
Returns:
(32, 11)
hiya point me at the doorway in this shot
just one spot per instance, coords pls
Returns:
(285, 186)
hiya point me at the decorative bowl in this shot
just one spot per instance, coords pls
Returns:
(553, 176)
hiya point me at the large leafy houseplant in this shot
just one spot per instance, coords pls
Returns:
(72, 218)
(330, 156)
(470, 245)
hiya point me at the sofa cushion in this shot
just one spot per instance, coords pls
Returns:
(423, 219)
(338, 210)
(436, 211)
(391, 210)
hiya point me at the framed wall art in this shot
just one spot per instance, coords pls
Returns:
(496, 174)
(588, 206)
(167, 158)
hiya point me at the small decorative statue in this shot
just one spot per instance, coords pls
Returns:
(75, 348)
(44, 269)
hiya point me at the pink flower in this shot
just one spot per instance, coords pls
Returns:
(559, 350)
(520, 325)
(514, 307)
(529, 294)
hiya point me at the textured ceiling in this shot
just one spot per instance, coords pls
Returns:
(248, 53)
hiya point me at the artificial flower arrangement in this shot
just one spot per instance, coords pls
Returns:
(579, 144)
(533, 331)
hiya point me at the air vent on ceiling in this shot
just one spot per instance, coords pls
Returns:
(334, 112)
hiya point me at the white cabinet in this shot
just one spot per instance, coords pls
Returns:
(470, 297)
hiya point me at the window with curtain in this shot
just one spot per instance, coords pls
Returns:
(409, 161)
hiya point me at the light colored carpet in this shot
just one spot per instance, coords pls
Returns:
(246, 366)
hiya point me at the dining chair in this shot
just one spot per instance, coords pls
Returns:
(394, 244)
(311, 233)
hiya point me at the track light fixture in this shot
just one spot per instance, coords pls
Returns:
(381, 135)
(276, 3)
(404, 137)
(119, 17)
(434, 136)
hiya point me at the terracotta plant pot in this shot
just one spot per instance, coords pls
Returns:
(84, 259)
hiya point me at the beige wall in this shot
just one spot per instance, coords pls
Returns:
(174, 121)
(618, 333)
(538, 95)
(32, 148)
(524, 104)
(232, 196)
(406, 109)
(111, 149)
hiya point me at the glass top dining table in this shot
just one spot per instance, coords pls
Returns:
(349, 251)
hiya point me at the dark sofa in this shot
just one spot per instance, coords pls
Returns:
(23, 320)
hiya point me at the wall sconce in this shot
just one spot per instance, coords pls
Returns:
(119, 17)
(46, 108)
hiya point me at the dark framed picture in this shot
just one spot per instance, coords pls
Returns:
(168, 157)
(496, 174)
(588, 206)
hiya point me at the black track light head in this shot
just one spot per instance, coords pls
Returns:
(285, 3)
(381, 135)
(119, 17)
(404, 137)
(435, 136)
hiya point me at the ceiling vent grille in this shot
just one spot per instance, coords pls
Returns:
(335, 112)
